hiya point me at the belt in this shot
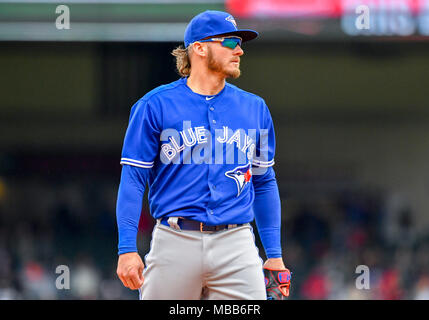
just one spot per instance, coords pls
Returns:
(185, 224)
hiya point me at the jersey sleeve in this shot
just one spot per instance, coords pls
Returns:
(129, 205)
(267, 209)
(141, 142)
(266, 142)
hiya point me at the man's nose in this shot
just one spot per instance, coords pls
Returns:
(238, 51)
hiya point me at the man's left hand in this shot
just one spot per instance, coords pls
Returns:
(277, 279)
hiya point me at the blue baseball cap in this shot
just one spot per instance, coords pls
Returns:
(215, 23)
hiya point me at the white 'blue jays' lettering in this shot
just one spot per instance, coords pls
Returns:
(197, 135)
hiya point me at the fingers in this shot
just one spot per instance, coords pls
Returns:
(132, 279)
(124, 281)
(122, 277)
(141, 275)
(135, 280)
(130, 270)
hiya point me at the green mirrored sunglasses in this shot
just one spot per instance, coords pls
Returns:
(230, 42)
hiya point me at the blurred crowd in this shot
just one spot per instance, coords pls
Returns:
(72, 224)
(332, 240)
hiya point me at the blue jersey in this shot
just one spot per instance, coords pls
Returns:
(202, 151)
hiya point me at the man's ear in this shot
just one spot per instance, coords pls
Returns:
(199, 48)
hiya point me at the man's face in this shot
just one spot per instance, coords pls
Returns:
(224, 60)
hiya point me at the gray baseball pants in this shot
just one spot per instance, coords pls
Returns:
(194, 265)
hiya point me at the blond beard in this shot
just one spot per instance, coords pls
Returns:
(216, 66)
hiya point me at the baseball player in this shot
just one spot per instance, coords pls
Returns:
(205, 149)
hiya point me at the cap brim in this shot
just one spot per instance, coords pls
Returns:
(244, 34)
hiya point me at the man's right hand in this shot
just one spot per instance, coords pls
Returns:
(130, 270)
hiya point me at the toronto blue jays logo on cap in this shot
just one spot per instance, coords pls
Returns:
(214, 23)
(232, 20)
(241, 176)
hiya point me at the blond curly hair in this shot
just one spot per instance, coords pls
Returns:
(183, 62)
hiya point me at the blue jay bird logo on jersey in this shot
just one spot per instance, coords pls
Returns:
(241, 176)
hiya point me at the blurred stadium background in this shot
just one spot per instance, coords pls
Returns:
(350, 109)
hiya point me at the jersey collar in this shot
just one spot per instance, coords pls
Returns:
(207, 98)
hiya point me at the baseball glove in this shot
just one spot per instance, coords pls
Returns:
(277, 283)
